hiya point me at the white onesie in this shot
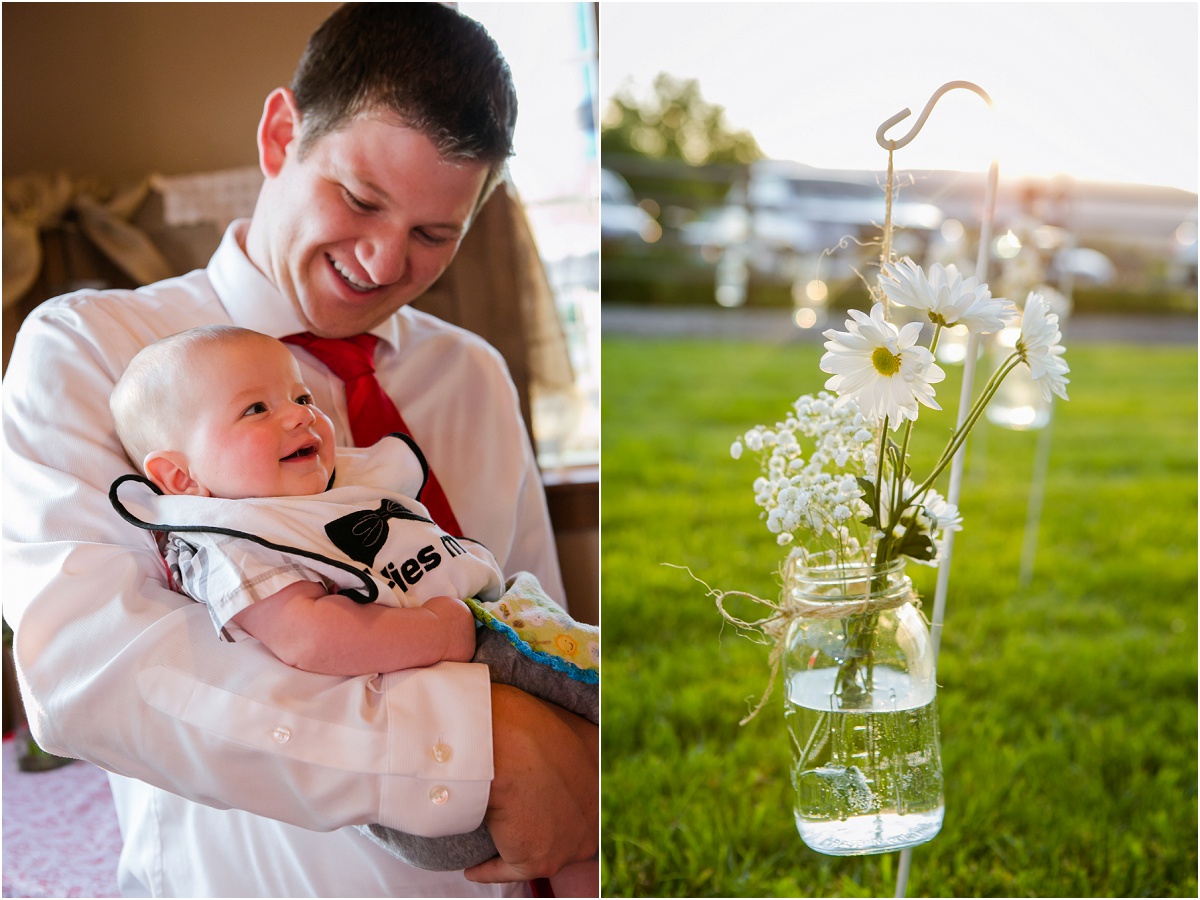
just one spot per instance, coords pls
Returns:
(367, 537)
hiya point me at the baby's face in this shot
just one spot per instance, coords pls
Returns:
(253, 430)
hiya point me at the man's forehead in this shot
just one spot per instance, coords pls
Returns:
(353, 148)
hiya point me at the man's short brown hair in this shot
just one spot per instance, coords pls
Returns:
(438, 71)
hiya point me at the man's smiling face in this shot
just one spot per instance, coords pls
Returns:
(362, 223)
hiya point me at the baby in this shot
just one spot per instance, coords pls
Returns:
(326, 556)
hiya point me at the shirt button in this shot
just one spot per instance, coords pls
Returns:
(282, 735)
(441, 753)
(439, 795)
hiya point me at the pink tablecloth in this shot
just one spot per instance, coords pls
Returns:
(60, 831)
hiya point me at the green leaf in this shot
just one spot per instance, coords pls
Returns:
(916, 545)
(868, 488)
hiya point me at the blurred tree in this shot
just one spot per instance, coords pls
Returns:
(673, 146)
(680, 156)
(676, 122)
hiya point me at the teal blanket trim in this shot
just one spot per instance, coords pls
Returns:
(486, 619)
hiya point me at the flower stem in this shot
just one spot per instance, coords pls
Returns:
(959, 436)
(856, 676)
(937, 333)
(821, 726)
(898, 479)
(883, 437)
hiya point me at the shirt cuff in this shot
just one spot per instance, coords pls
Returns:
(440, 749)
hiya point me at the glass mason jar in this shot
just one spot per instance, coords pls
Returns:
(861, 711)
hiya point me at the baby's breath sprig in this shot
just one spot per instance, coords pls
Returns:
(811, 462)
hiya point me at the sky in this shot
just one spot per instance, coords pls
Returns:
(1096, 91)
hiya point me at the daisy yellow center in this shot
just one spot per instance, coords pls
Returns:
(885, 361)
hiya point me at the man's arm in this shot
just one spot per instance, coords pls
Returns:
(547, 760)
(313, 630)
(119, 670)
(543, 811)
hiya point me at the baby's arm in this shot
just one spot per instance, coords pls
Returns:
(310, 629)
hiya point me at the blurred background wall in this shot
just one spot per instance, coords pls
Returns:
(95, 88)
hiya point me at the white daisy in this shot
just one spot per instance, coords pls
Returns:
(940, 513)
(1040, 348)
(933, 514)
(945, 515)
(946, 296)
(880, 367)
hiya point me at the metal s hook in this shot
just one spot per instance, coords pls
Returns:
(887, 144)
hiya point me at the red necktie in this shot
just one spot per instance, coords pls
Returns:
(373, 415)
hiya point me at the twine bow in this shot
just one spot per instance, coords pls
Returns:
(772, 628)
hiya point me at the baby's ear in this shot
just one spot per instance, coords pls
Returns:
(168, 470)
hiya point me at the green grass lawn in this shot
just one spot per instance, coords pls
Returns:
(1068, 707)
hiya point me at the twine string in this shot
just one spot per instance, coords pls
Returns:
(885, 255)
(773, 627)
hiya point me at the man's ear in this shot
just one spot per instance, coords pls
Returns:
(280, 125)
(169, 471)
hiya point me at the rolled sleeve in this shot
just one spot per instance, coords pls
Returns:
(442, 778)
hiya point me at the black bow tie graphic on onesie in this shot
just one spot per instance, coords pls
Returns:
(360, 534)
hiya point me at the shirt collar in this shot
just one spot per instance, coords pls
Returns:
(252, 300)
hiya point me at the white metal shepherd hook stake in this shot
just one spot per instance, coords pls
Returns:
(968, 378)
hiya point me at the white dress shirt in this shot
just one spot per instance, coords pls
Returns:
(234, 774)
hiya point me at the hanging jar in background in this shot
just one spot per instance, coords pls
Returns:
(860, 707)
(1019, 404)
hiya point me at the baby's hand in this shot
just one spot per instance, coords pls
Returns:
(458, 627)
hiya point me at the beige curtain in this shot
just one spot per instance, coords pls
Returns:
(37, 203)
(497, 288)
